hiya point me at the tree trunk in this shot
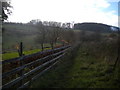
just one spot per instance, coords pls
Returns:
(52, 45)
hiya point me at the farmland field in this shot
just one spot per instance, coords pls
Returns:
(15, 54)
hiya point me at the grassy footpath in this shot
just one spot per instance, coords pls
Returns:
(80, 70)
(56, 76)
(90, 72)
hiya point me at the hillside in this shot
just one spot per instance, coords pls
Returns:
(14, 33)
(94, 27)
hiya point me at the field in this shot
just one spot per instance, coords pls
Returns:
(15, 54)
(82, 68)
(13, 34)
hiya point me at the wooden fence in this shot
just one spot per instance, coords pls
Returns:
(23, 75)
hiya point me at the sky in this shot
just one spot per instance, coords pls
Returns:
(77, 11)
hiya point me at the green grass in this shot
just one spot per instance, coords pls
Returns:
(55, 77)
(11, 55)
(87, 73)
(80, 71)
(15, 54)
(91, 72)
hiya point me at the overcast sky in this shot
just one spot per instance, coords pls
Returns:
(101, 11)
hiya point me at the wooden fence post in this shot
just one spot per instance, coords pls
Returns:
(21, 49)
(21, 61)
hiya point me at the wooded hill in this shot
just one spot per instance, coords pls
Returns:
(95, 27)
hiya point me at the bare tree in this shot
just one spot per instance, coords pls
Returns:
(68, 25)
(50, 36)
(57, 33)
(53, 33)
(41, 35)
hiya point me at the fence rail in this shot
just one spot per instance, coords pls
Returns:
(43, 64)
(35, 54)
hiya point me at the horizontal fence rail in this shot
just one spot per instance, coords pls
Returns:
(39, 67)
(38, 75)
(29, 64)
(35, 54)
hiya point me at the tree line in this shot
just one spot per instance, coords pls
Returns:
(53, 32)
